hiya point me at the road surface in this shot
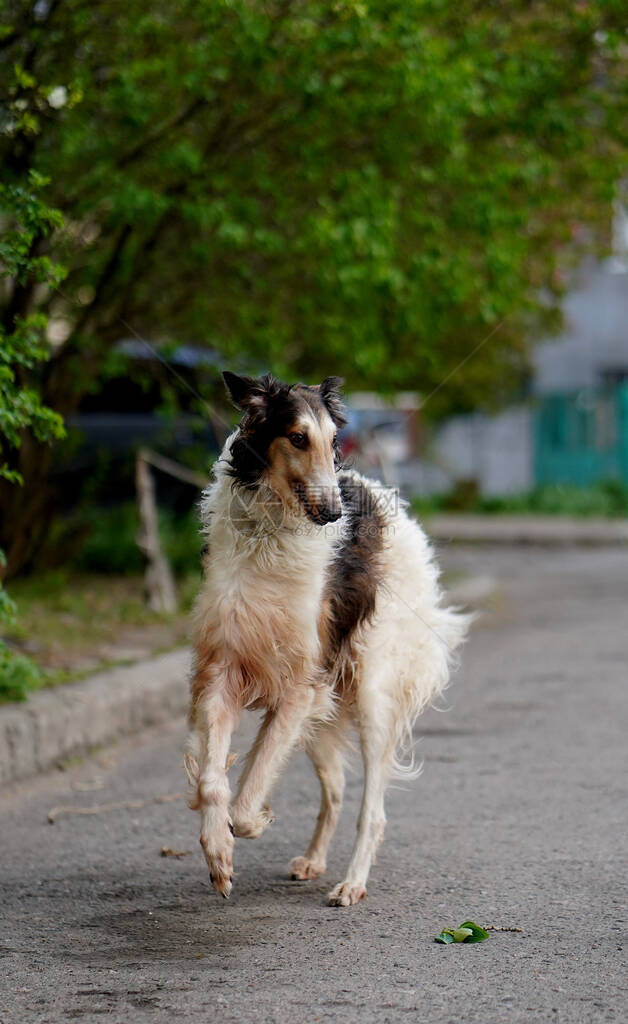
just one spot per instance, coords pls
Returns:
(518, 821)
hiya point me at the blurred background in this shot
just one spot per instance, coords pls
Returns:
(426, 197)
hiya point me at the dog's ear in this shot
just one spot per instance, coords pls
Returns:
(250, 394)
(331, 395)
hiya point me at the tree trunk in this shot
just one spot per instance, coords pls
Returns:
(25, 509)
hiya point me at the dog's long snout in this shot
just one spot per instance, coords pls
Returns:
(322, 504)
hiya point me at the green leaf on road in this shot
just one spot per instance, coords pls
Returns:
(478, 934)
(467, 932)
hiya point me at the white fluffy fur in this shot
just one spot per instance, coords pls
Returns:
(402, 657)
(409, 648)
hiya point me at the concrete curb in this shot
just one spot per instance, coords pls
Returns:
(69, 720)
(505, 529)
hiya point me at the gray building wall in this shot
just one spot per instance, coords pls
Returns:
(495, 450)
(498, 451)
(594, 342)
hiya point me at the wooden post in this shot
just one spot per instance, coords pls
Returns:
(160, 587)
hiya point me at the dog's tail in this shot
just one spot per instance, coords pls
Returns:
(449, 628)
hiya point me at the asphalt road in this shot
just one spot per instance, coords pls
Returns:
(518, 820)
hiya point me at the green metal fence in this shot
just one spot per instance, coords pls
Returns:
(582, 437)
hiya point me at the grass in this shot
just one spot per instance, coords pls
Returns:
(69, 626)
(90, 612)
(608, 499)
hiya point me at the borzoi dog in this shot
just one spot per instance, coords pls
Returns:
(321, 606)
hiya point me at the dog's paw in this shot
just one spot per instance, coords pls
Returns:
(303, 868)
(247, 826)
(345, 894)
(220, 864)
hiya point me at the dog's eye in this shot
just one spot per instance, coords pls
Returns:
(298, 440)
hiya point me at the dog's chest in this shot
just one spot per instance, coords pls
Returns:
(267, 610)
(262, 623)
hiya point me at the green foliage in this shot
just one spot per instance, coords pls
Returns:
(26, 219)
(467, 932)
(608, 498)
(110, 544)
(18, 675)
(7, 606)
(110, 541)
(369, 188)
(182, 540)
(383, 189)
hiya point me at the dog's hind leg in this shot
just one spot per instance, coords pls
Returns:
(376, 738)
(325, 752)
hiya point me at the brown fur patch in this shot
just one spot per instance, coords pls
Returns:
(353, 581)
(311, 471)
(250, 652)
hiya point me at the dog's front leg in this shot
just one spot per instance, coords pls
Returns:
(216, 721)
(279, 733)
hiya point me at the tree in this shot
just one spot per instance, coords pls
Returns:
(370, 187)
(26, 217)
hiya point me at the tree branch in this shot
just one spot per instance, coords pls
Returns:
(161, 131)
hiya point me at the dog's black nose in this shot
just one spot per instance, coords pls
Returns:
(329, 515)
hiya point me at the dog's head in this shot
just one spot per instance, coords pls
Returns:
(287, 440)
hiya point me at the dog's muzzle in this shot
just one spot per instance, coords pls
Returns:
(321, 511)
